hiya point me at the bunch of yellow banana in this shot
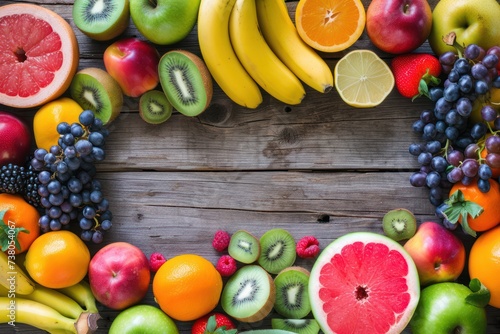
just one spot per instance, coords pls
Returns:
(69, 310)
(250, 43)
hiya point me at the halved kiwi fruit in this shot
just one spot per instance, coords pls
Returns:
(244, 247)
(94, 89)
(399, 224)
(101, 20)
(292, 295)
(186, 81)
(277, 250)
(249, 294)
(154, 107)
(299, 326)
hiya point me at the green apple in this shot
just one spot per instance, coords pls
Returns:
(143, 319)
(164, 22)
(473, 21)
(443, 309)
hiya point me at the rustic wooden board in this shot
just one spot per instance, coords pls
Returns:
(319, 168)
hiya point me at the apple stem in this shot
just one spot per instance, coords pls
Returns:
(153, 3)
(451, 40)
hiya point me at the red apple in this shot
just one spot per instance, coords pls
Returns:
(133, 63)
(398, 26)
(438, 254)
(15, 140)
(119, 275)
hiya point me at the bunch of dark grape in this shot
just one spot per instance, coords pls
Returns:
(453, 144)
(67, 187)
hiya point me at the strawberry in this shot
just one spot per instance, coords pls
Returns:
(215, 323)
(415, 72)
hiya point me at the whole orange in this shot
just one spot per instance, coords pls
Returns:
(490, 217)
(57, 259)
(49, 116)
(21, 219)
(187, 287)
(484, 262)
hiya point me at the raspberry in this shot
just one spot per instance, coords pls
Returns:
(308, 247)
(226, 265)
(221, 240)
(155, 261)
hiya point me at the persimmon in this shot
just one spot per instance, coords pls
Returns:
(474, 210)
(20, 223)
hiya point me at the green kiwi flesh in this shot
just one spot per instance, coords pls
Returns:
(94, 89)
(399, 224)
(244, 247)
(292, 294)
(101, 20)
(186, 81)
(154, 107)
(299, 326)
(249, 294)
(277, 250)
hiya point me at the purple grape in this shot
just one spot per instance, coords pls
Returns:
(455, 175)
(470, 167)
(484, 172)
(464, 106)
(493, 160)
(492, 144)
(488, 113)
(418, 179)
(454, 157)
(483, 185)
(448, 58)
(490, 60)
(472, 51)
(471, 151)
(479, 71)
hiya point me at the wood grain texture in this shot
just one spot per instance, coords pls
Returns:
(320, 168)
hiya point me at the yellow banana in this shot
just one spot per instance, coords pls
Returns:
(13, 277)
(57, 300)
(282, 36)
(23, 311)
(219, 56)
(82, 294)
(258, 58)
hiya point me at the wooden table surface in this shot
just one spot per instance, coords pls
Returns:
(320, 168)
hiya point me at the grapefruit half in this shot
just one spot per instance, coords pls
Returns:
(38, 55)
(364, 282)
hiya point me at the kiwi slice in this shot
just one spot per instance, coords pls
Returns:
(277, 250)
(244, 247)
(186, 81)
(249, 294)
(399, 224)
(94, 89)
(300, 326)
(292, 296)
(101, 20)
(154, 107)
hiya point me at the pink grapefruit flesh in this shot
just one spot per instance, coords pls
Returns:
(38, 55)
(364, 282)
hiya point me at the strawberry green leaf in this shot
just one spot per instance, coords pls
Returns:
(424, 83)
(480, 295)
(9, 234)
(459, 209)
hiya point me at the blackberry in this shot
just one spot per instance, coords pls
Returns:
(12, 179)
(22, 181)
(31, 187)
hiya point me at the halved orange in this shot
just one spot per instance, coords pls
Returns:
(330, 25)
